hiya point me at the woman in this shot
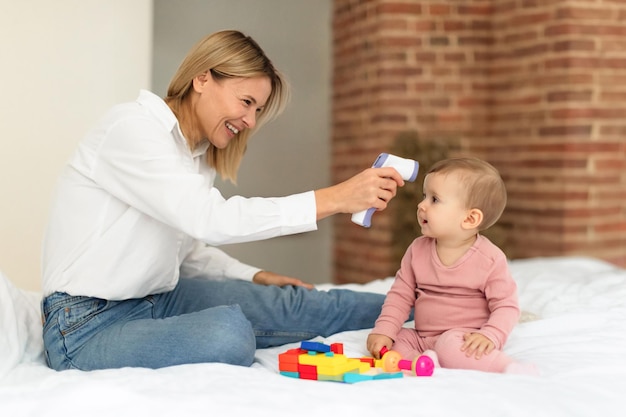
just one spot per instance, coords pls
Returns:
(131, 276)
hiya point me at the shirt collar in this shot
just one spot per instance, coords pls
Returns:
(157, 106)
(162, 112)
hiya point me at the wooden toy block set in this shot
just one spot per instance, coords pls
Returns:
(322, 362)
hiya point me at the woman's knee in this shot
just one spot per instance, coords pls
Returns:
(231, 337)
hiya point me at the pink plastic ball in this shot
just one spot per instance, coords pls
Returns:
(424, 366)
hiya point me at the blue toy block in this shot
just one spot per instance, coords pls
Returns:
(315, 347)
(388, 375)
(353, 377)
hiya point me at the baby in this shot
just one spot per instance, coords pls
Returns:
(464, 296)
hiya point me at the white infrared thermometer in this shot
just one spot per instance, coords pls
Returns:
(407, 168)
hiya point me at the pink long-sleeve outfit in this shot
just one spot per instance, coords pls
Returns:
(475, 294)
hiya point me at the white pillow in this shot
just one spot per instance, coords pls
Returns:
(20, 326)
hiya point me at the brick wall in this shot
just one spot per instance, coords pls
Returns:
(536, 87)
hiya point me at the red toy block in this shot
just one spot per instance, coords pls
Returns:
(287, 367)
(290, 356)
(337, 348)
(368, 360)
(307, 369)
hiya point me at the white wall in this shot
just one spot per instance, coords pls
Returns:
(292, 154)
(64, 63)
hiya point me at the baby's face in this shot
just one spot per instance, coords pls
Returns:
(442, 210)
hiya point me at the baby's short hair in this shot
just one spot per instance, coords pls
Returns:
(484, 188)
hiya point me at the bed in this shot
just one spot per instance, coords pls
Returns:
(573, 328)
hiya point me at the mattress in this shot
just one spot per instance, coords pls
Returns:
(573, 328)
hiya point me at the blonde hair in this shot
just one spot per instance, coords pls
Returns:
(225, 54)
(483, 186)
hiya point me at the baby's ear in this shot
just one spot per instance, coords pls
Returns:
(473, 219)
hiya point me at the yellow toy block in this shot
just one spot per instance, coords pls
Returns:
(337, 369)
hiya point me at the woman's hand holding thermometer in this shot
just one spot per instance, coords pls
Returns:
(407, 168)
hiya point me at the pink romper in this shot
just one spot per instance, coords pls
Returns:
(475, 294)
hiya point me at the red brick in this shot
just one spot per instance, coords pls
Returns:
(399, 8)
(580, 29)
(589, 113)
(586, 45)
(529, 19)
(584, 13)
(570, 96)
(439, 9)
(484, 9)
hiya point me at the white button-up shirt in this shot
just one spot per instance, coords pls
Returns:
(135, 209)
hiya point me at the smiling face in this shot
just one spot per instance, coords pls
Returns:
(224, 107)
(442, 211)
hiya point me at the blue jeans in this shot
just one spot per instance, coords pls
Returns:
(198, 321)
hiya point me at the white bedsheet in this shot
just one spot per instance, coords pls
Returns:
(579, 342)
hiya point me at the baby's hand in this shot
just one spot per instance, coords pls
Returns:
(477, 344)
(375, 343)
